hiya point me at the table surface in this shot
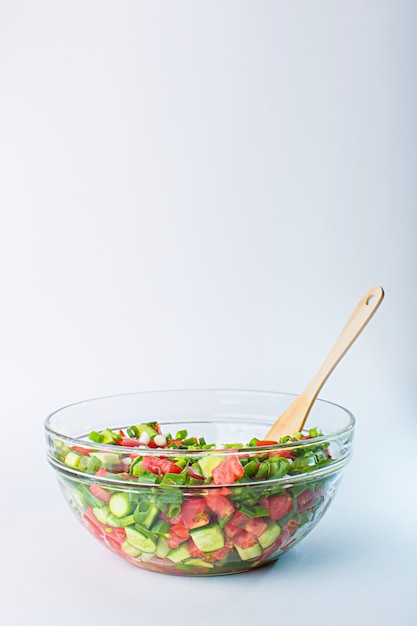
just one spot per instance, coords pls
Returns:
(358, 565)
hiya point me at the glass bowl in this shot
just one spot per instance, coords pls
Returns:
(236, 507)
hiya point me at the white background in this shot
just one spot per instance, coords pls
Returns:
(197, 194)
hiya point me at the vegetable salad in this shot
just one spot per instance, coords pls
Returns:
(210, 509)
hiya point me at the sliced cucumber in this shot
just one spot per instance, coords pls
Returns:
(72, 459)
(108, 460)
(120, 504)
(198, 563)
(162, 548)
(129, 549)
(179, 554)
(143, 540)
(249, 553)
(270, 534)
(208, 463)
(208, 538)
(101, 513)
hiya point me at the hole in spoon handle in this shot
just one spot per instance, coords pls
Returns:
(373, 297)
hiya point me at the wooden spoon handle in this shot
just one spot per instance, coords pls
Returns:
(293, 418)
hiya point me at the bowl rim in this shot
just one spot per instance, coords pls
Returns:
(106, 447)
(341, 461)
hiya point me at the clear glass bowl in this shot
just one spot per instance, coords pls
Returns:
(202, 528)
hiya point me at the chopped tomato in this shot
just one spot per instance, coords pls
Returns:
(195, 552)
(286, 454)
(306, 500)
(160, 466)
(278, 506)
(178, 533)
(219, 554)
(243, 539)
(83, 451)
(230, 530)
(127, 442)
(112, 537)
(194, 474)
(92, 523)
(219, 504)
(292, 525)
(180, 530)
(102, 472)
(195, 513)
(228, 471)
(256, 526)
(100, 493)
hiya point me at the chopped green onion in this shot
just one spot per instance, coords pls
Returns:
(173, 479)
(174, 510)
(160, 527)
(133, 432)
(95, 436)
(251, 468)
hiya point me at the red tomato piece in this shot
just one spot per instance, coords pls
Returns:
(228, 471)
(243, 539)
(278, 506)
(160, 466)
(219, 504)
(195, 552)
(292, 525)
(256, 526)
(92, 523)
(239, 519)
(195, 513)
(286, 454)
(219, 554)
(102, 472)
(194, 474)
(306, 500)
(230, 530)
(177, 535)
(83, 451)
(100, 493)
(127, 442)
(284, 538)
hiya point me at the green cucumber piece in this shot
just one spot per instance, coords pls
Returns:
(109, 460)
(179, 554)
(143, 540)
(120, 504)
(208, 463)
(270, 534)
(198, 563)
(208, 538)
(112, 520)
(249, 553)
(162, 548)
(129, 549)
(101, 513)
(144, 428)
(72, 459)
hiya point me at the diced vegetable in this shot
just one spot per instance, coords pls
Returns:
(195, 512)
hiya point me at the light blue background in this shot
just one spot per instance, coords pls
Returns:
(197, 194)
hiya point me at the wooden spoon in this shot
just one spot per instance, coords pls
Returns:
(293, 418)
